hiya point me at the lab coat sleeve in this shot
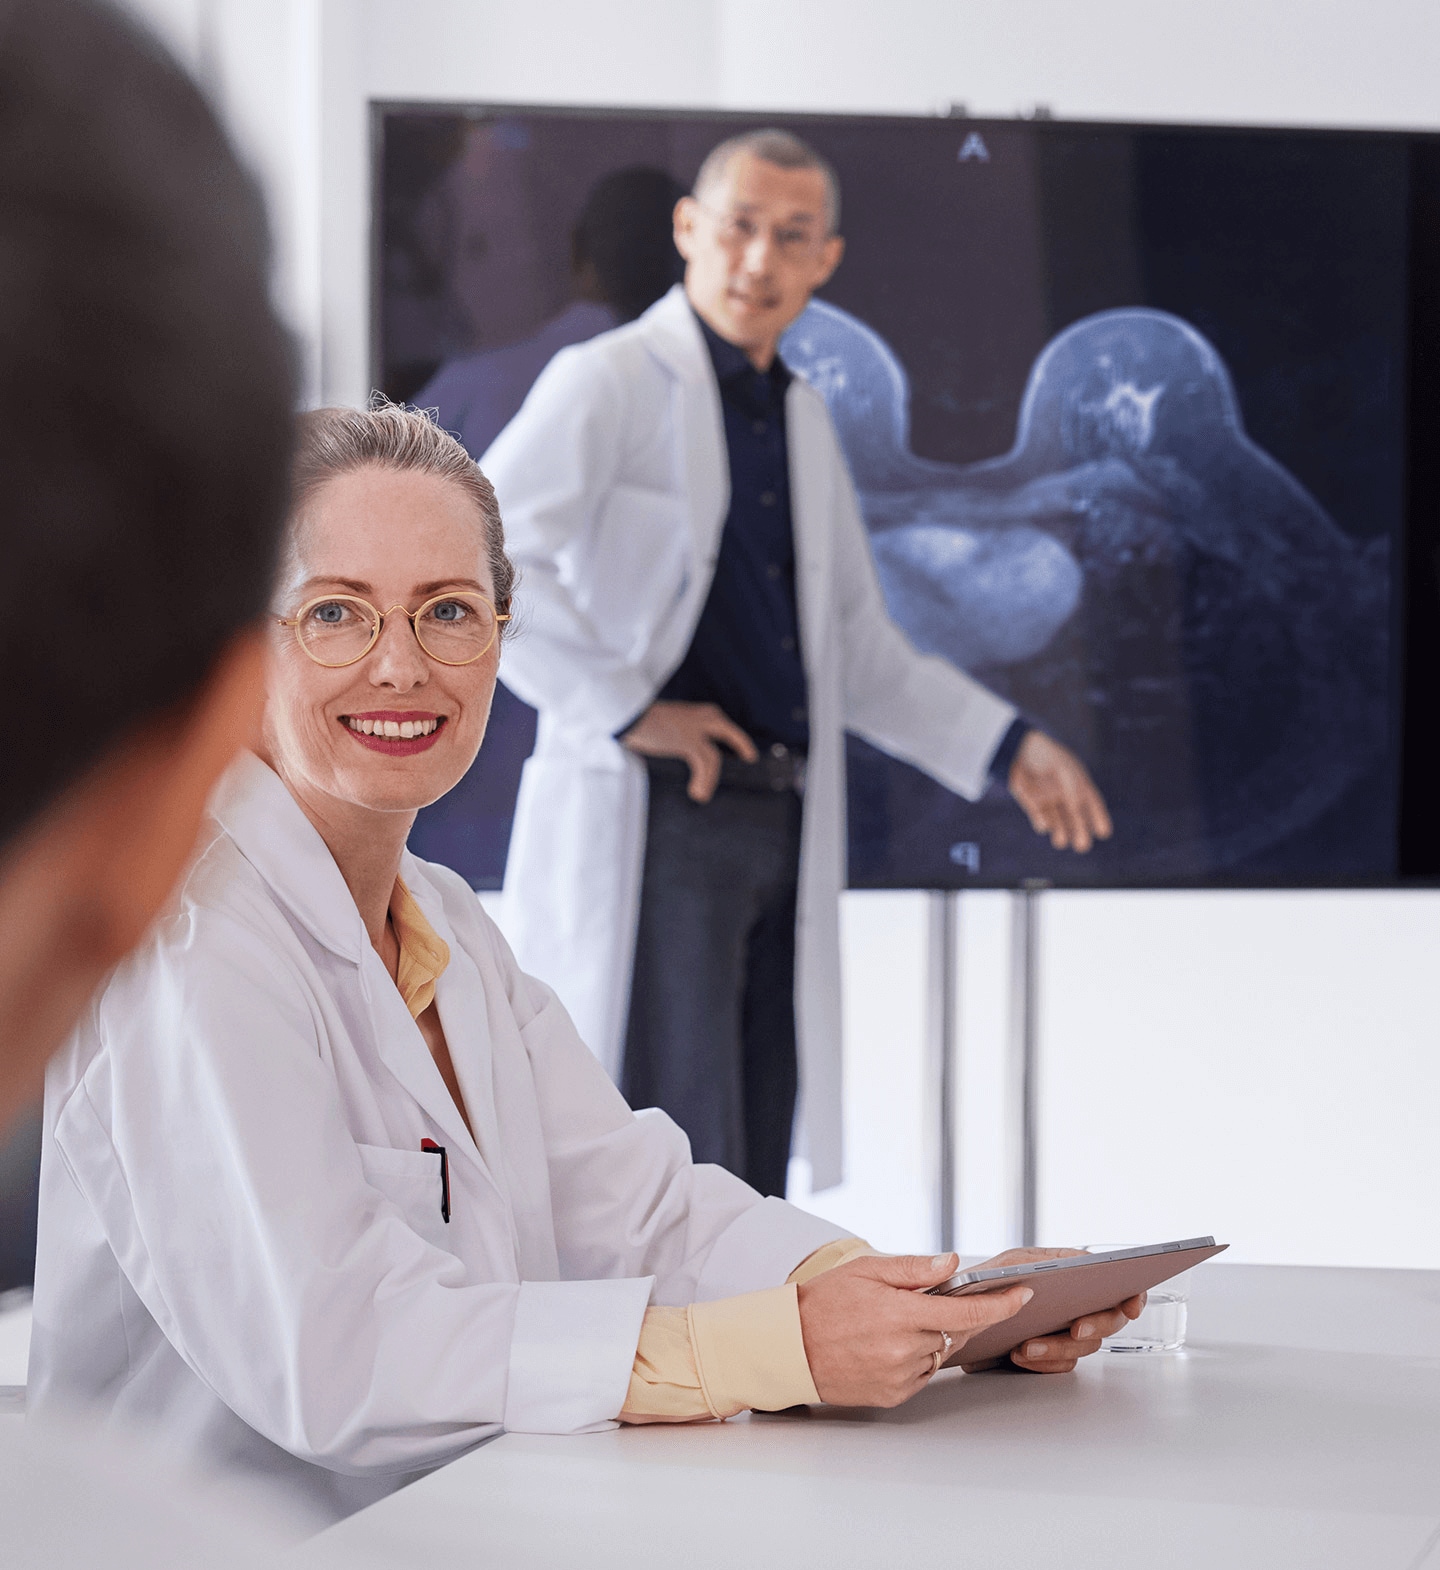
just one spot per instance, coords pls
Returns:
(627, 1200)
(554, 468)
(209, 1141)
(914, 706)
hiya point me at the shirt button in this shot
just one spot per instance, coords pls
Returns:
(788, 644)
(772, 571)
(759, 427)
(767, 498)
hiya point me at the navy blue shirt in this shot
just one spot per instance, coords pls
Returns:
(745, 655)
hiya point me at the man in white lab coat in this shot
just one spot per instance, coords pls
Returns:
(700, 624)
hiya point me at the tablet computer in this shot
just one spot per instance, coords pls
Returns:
(1068, 1288)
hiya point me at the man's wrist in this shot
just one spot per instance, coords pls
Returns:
(630, 725)
(1002, 760)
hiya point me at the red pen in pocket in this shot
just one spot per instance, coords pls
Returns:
(429, 1146)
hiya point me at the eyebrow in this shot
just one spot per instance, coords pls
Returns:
(799, 215)
(356, 586)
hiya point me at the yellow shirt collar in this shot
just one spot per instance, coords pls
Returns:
(424, 954)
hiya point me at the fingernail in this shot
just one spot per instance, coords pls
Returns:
(942, 1261)
(1084, 1330)
(1036, 1349)
(1027, 1294)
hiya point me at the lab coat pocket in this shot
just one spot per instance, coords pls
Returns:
(637, 566)
(415, 1183)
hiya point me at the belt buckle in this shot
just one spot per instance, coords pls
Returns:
(785, 769)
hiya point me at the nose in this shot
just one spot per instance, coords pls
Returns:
(397, 661)
(757, 254)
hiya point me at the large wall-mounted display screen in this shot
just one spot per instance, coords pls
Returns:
(1143, 423)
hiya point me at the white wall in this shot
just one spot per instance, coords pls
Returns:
(1263, 1066)
(260, 62)
(1284, 61)
(1259, 1065)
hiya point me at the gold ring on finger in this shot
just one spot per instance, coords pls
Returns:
(939, 1358)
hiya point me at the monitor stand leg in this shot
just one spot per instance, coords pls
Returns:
(942, 1030)
(1024, 1054)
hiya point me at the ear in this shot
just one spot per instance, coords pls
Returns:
(686, 211)
(158, 785)
(831, 255)
(81, 886)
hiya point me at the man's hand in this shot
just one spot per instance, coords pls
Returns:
(1057, 1353)
(1057, 794)
(691, 731)
(871, 1332)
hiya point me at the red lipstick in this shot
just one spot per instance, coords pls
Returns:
(394, 746)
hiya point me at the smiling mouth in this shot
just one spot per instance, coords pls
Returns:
(393, 729)
(396, 738)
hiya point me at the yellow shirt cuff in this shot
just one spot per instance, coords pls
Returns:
(664, 1382)
(749, 1352)
(749, 1348)
(826, 1258)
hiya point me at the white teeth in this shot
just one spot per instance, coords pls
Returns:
(401, 730)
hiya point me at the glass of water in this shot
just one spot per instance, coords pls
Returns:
(1161, 1325)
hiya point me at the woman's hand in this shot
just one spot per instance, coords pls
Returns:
(871, 1332)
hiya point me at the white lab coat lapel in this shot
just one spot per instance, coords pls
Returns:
(280, 842)
(674, 338)
(404, 1052)
(809, 452)
(460, 1000)
(812, 458)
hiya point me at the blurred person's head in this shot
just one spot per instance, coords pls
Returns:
(368, 710)
(759, 235)
(623, 247)
(143, 460)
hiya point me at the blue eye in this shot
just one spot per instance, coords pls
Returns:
(450, 611)
(331, 614)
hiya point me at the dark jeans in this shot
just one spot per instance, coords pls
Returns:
(711, 1034)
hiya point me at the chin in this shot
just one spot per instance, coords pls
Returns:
(399, 786)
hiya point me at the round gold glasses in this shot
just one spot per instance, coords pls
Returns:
(739, 231)
(340, 629)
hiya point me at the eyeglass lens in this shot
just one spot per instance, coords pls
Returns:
(736, 229)
(454, 630)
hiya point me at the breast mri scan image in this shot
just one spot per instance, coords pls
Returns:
(1139, 577)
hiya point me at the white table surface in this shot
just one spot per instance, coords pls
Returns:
(1301, 1427)
(14, 1352)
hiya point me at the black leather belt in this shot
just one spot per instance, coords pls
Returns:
(778, 768)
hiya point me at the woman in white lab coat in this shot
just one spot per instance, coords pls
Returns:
(331, 1190)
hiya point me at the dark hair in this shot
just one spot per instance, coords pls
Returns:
(390, 436)
(783, 149)
(626, 233)
(144, 458)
